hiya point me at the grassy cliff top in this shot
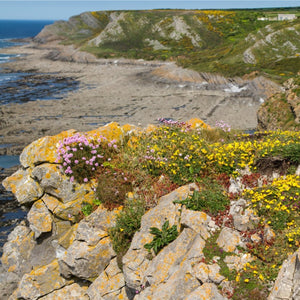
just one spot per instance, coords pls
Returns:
(230, 42)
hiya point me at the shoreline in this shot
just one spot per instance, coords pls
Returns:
(121, 90)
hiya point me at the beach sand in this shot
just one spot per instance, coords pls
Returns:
(125, 91)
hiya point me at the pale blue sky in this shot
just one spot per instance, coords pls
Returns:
(62, 10)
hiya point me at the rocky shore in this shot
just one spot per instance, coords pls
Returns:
(125, 91)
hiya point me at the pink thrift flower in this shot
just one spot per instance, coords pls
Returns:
(85, 180)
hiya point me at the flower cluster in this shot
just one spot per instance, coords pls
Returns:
(278, 204)
(186, 127)
(224, 126)
(183, 155)
(172, 151)
(81, 155)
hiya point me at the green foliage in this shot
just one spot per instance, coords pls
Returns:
(291, 152)
(162, 237)
(127, 223)
(224, 38)
(86, 208)
(211, 198)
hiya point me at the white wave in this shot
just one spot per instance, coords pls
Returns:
(235, 89)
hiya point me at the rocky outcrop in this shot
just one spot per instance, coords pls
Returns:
(82, 25)
(281, 110)
(56, 254)
(287, 285)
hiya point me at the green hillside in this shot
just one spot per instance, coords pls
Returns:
(232, 43)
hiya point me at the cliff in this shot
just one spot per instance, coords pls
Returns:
(216, 251)
(228, 42)
(220, 46)
(281, 110)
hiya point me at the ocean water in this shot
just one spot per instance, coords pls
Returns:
(17, 29)
(18, 87)
(22, 87)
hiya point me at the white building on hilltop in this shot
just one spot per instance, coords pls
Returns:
(286, 17)
(280, 17)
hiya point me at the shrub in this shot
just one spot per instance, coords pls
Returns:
(112, 187)
(127, 223)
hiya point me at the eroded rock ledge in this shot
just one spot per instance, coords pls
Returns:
(54, 256)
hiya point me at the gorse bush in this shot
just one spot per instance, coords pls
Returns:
(278, 203)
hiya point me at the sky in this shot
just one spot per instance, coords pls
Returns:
(64, 9)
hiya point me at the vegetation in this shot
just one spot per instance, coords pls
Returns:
(208, 40)
(145, 165)
(161, 237)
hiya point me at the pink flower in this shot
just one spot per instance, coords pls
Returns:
(85, 180)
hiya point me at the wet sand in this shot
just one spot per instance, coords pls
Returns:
(125, 91)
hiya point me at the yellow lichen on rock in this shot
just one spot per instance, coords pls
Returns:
(197, 123)
(43, 149)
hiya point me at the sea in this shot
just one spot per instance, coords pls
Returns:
(16, 88)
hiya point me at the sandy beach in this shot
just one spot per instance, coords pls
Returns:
(125, 91)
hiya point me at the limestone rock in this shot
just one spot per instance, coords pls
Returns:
(237, 262)
(110, 285)
(17, 250)
(41, 281)
(60, 227)
(58, 185)
(85, 261)
(8, 283)
(40, 219)
(68, 211)
(208, 273)
(91, 251)
(236, 186)
(229, 239)
(287, 284)
(178, 285)
(243, 218)
(24, 188)
(170, 258)
(66, 239)
(43, 150)
(135, 261)
(196, 220)
(69, 292)
(269, 234)
(205, 292)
